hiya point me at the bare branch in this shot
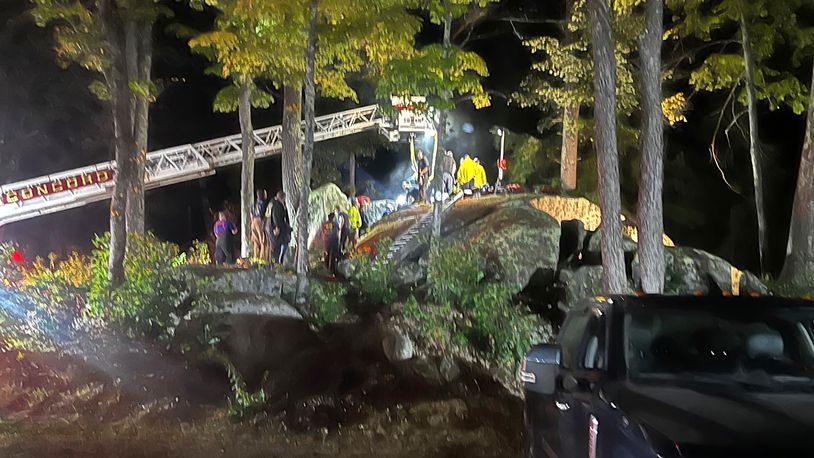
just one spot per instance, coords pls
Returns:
(712, 148)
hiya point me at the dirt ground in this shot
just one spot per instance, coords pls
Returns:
(62, 406)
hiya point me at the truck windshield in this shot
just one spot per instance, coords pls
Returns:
(757, 349)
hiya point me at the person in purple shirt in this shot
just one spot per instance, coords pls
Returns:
(224, 247)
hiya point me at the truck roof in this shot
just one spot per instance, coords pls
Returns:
(695, 302)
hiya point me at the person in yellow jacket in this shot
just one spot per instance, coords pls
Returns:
(355, 222)
(466, 174)
(480, 176)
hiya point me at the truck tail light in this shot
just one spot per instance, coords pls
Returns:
(525, 376)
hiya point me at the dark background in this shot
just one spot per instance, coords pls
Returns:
(49, 122)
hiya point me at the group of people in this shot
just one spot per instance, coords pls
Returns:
(342, 230)
(468, 177)
(270, 231)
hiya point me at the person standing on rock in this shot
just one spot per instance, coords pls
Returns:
(423, 174)
(280, 229)
(355, 219)
(480, 180)
(330, 244)
(341, 229)
(450, 168)
(259, 241)
(224, 245)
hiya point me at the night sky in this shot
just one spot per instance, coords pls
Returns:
(52, 123)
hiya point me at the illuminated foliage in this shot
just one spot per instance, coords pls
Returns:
(774, 29)
(443, 80)
(354, 38)
(563, 75)
(80, 37)
(145, 303)
(674, 108)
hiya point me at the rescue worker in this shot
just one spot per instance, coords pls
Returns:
(480, 182)
(224, 245)
(450, 167)
(423, 173)
(258, 214)
(466, 175)
(330, 244)
(355, 219)
(279, 229)
(341, 229)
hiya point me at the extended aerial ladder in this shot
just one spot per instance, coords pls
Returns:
(77, 187)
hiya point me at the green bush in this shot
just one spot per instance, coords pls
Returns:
(373, 276)
(243, 404)
(61, 285)
(327, 301)
(10, 273)
(434, 323)
(802, 288)
(26, 326)
(454, 274)
(199, 253)
(500, 328)
(144, 304)
(41, 311)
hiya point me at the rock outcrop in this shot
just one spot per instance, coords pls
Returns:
(516, 240)
(323, 200)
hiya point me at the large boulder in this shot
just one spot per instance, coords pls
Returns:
(375, 210)
(584, 282)
(693, 271)
(214, 279)
(244, 304)
(594, 247)
(516, 240)
(407, 274)
(323, 200)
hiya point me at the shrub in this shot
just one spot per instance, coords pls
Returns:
(500, 328)
(454, 273)
(434, 323)
(42, 312)
(327, 301)
(801, 288)
(243, 403)
(10, 273)
(373, 275)
(27, 326)
(59, 284)
(144, 304)
(199, 253)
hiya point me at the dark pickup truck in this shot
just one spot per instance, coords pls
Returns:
(636, 377)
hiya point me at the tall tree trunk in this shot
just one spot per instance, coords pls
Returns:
(135, 194)
(754, 143)
(650, 215)
(570, 125)
(570, 148)
(308, 156)
(122, 128)
(247, 171)
(799, 265)
(121, 104)
(438, 170)
(613, 278)
(292, 147)
(352, 174)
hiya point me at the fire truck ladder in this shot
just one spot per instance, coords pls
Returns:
(409, 240)
(183, 163)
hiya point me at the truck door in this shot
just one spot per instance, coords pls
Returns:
(583, 366)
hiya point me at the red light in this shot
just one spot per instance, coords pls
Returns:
(17, 257)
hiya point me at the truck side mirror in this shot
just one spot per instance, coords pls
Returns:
(540, 370)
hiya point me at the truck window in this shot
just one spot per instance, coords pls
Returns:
(593, 350)
(583, 340)
(574, 339)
